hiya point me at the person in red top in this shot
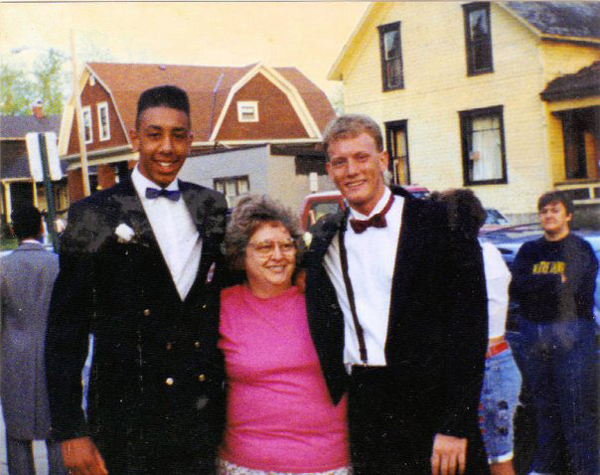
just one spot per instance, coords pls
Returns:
(280, 418)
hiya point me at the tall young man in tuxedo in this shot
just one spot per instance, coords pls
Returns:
(398, 317)
(139, 268)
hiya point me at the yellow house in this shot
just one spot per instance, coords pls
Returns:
(503, 98)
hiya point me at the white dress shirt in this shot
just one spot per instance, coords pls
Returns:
(175, 231)
(371, 261)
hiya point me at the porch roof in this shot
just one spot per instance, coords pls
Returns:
(583, 83)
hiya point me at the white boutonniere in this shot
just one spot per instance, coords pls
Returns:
(307, 237)
(124, 233)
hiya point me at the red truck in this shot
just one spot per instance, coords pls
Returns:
(317, 205)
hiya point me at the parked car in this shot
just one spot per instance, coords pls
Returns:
(494, 220)
(509, 239)
(317, 205)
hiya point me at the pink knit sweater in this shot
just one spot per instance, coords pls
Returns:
(279, 415)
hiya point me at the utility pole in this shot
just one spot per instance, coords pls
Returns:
(51, 213)
(80, 125)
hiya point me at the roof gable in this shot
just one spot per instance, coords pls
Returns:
(209, 89)
(308, 101)
(579, 21)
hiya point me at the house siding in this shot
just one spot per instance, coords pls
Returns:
(251, 162)
(273, 108)
(561, 59)
(289, 188)
(437, 87)
(92, 96)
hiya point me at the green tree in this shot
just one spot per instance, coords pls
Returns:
(16, 91)
(49, 81)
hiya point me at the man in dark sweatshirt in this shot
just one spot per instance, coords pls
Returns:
(553, 283)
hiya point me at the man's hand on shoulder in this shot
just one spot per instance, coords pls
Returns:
(449, 455)
(81, 457)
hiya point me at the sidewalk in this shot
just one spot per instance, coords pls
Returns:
(39, 453)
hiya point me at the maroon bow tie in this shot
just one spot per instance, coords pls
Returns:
(377, 220)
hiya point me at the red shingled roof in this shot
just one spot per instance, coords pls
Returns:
(127, 81)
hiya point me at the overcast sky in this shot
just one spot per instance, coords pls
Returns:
(308, 35)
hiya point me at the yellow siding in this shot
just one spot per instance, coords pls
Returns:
(566, 58)
(437, 88)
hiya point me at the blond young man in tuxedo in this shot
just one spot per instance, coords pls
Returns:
(397, 310)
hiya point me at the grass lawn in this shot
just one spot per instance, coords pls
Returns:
(8, 243)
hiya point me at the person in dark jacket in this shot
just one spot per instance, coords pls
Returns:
(553, 283)
(139, 268)
(398, 317)
(26, 279)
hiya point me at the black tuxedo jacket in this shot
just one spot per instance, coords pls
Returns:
(157, 376)
(437, 333)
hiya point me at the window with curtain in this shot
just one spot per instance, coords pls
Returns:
(397, 146)
(483, 147)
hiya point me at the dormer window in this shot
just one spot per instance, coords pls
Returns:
(478, 36)
(247, 111)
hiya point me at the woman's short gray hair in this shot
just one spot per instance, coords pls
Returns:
(249, 214)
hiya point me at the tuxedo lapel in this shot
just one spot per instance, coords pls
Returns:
(130, 211)
(402, 267)
(325, 233)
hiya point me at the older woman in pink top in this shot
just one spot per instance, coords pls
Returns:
(280, 419)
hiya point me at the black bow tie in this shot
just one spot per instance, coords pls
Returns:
(173, 195)
(377, 220)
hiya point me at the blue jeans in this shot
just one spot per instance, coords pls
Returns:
(499, 399)
(559, 368)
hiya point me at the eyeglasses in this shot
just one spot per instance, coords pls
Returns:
(266, 248)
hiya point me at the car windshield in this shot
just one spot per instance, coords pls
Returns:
(495, 217)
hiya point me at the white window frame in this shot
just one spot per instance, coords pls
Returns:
(242, 105)
(232, 187)
(87, 125)
(103, 106)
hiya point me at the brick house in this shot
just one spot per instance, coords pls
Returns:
(500, 97)
(231, 107)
